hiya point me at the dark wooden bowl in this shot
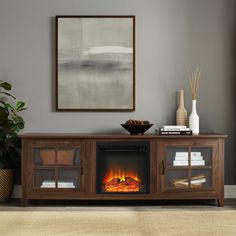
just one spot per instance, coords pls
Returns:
(136, 129)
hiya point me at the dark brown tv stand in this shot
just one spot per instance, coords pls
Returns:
(122, 167)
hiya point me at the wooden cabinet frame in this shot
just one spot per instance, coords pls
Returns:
(189, 145)
(87, 145)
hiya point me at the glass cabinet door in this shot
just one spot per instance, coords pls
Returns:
(187, 168)
(57, 167)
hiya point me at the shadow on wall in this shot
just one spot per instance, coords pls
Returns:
(52, 23)
(230, 147)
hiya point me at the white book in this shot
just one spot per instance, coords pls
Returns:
(196, 158)
(60, 184)
(180, 163)
(65, 185)
(195, 154)
(183, 154)
(198, 163)
(48, 185)
(174, 126)
(185, 158)
(181, 158)
(45, 186)
(185, 163)
(65, 182)
(198, 181)
(48, 182)
(175, 129)
(186, 154)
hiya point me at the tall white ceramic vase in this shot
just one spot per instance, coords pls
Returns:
(194, 119)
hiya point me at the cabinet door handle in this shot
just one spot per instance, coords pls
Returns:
(162, 167)
(81, 168)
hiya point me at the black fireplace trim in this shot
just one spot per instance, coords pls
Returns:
(136, 145)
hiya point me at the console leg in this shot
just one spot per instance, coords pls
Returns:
(220, 202)
(24, 202)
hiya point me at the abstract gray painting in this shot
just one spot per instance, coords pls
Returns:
(95, 63)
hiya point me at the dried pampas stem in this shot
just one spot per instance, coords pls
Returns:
(194, 78)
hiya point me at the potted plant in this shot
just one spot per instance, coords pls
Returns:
(10, 125)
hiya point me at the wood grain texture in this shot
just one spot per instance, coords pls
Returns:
(158, 185)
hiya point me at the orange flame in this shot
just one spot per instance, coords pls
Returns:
(122, 181)
(121, 174)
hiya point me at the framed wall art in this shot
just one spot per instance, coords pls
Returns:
(95, 63)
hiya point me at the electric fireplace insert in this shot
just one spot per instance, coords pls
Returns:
(123, 167)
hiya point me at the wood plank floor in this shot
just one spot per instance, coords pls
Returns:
(14, 205)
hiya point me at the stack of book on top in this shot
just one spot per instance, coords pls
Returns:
(60, 184)
(181, 159)
(175, 130)
(195, 182)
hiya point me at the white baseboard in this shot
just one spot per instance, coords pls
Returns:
(17, 190)
(230, 191)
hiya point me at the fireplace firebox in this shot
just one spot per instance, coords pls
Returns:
(123, 167)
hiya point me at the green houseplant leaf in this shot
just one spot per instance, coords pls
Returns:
(11, 123)
(5, 85)
(20, 106)
(3, 115)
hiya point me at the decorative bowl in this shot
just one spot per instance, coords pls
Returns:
(137, 129)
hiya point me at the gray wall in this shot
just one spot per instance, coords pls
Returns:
(172, 35)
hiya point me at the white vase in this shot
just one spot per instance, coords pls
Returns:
(181, 113)
(194, 119)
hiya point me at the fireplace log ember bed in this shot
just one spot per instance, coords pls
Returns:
(122, 167)
(123, 182)
(127, 185)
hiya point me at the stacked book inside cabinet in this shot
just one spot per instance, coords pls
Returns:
(60, 184)
(193, 158)
(181, 159)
